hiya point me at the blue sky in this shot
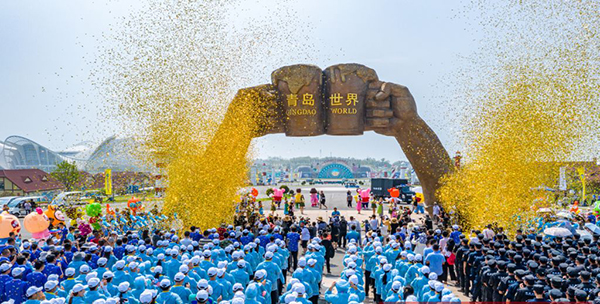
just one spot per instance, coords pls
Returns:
(46, 95)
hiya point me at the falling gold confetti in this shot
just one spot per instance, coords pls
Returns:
(169, 73)
(532, 103)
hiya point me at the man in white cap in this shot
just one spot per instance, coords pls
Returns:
(218, 289)
(15, 289)
(147, 296)
(93, 294)
(107, 286)
(394, 297)
(420, 281)
(165, 295)
(77, 294)
(262, 285)
(202, 296)
(125, 295)
(274, 274)
(34, 295)
(50, 289)
(182, 291)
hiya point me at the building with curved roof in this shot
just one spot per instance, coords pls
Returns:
(119, 154)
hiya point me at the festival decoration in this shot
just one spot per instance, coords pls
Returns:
(94, 210)
(8, 223)
(37, 224)
(109, 210)
(278, 194)
(596, 209)
(365, 194)
(575, 208)
(134, 204)
(84, 228)
(55, 216)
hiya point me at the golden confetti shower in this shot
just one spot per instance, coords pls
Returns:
(532, 105)
(170, 72)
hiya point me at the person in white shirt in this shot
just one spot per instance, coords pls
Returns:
(488, 232)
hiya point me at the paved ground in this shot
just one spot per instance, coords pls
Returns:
(336, 197)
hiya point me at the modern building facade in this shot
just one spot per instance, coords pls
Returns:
(118, 154)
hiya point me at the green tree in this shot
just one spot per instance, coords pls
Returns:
(67, 174)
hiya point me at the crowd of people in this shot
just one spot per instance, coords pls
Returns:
(392, 257)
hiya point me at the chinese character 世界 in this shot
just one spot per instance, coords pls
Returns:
(336, 99)
(307, 99)
(352, 99)
(292, 100)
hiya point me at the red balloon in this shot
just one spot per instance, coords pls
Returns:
(254, 192)
(394, 192)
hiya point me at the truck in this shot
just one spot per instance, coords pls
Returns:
(380, 186)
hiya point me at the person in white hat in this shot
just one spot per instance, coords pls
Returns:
(420, 281)
(107, 286)
(77, 294)
(395, 292)
(202, 296)
(219, 292)
(125, 294)
(182, 291)
(147, 296)
(70, 279)
(50, 289)
(165, 295)
(93, 294)
(274, 274)
(34, 294)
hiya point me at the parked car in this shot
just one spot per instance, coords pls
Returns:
(17, 206)
(6, 199)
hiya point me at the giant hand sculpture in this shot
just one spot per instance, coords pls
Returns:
(345, 99)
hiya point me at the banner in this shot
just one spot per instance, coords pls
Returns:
(562, 182)
(581, 172)
(108, 182)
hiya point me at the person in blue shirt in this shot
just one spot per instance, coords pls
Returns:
(51, 267)
(37, 278)
(219, 292)
(395, 295)
(455, 234)
(182, 291)
(124, 294)
(293, 238)
(93, 294)
(77, 295)
(165, 295)
(353, 235)
(335, 212)
(274, 274)
(436, 260)
(15, 288)
(5, 277)
(34, 295)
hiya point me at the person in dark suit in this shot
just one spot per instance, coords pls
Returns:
(329, 250)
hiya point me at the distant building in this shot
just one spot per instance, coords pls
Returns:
(118, 154)
(27, 182)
